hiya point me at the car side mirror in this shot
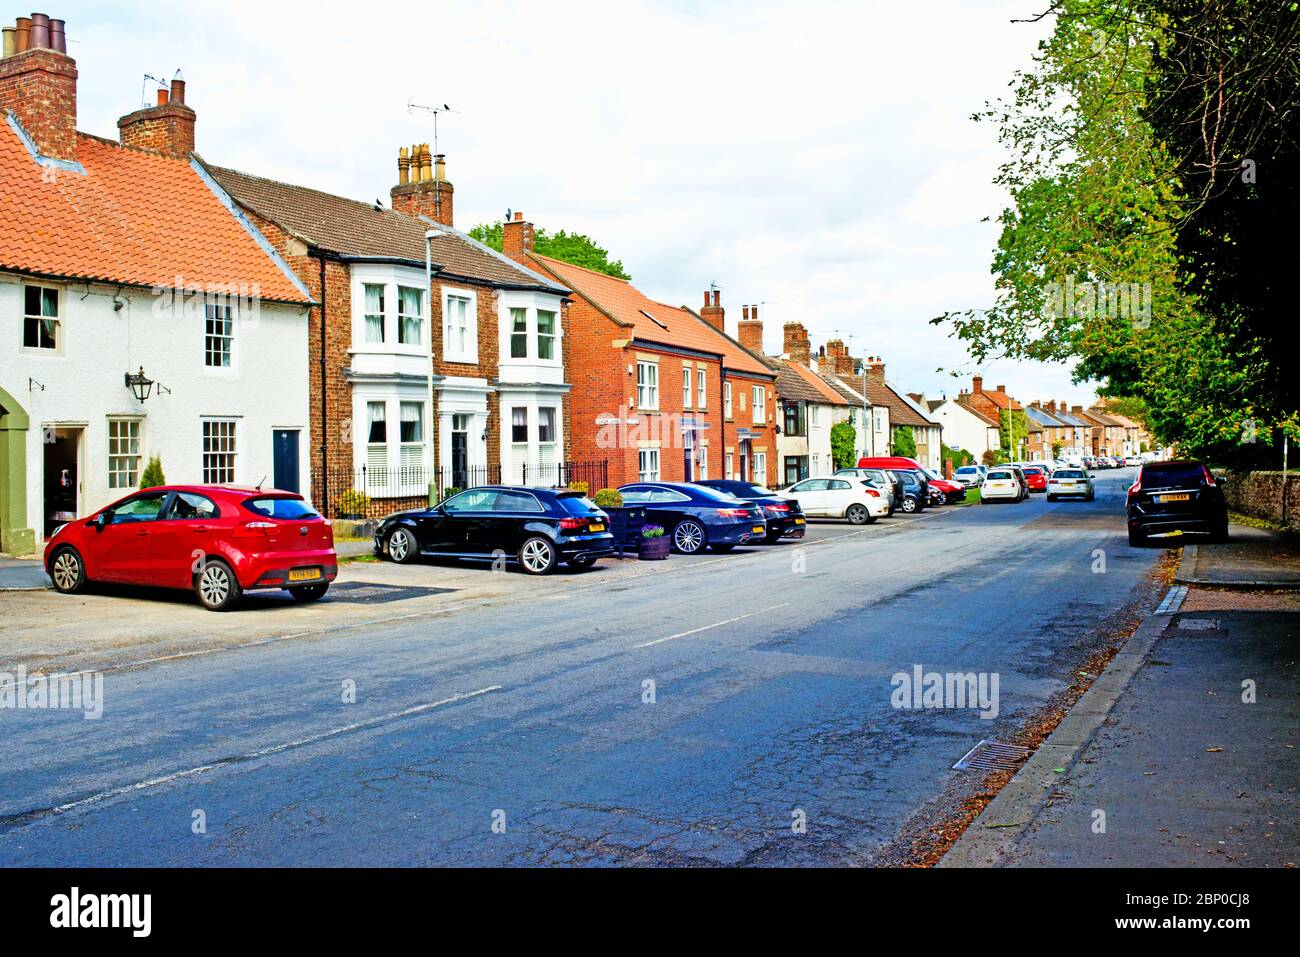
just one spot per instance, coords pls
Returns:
(102, 519)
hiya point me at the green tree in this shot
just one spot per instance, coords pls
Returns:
(1013, 431)
(152, 476)
(904, 442)
(844, 444)
(568, 247)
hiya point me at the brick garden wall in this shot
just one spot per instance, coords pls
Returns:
(1265, 495)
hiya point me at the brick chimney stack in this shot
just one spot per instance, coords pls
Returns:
(876, 369)
(976, 384)
(750, 333)
(39, 83)
(422, 187)
(796, 344)
(517, 238)
(167, 127)
(712, 311)
(838, 359)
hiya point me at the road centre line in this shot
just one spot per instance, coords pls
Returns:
(716, 624)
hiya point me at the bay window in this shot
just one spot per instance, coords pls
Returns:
(545, 334)
(410, 316)
(374, 326)
(518, 333)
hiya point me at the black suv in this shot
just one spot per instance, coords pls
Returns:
(536, 527)
(916, 489)
(1170, 498)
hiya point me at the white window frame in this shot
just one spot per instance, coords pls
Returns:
(210, 309)
(410, 477)
(468, 355)
(728, 466)
(553, 335)
(687, 387)
(647, 392)
(213, 472)
(39, 350)
(648, 465)
(759, 399)
(366, 314)
(726, 400)
(418, 317)
(703, 464)
(756, 474)
(702, 389)
(131, 468)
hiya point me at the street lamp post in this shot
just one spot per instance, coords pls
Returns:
(428, 331)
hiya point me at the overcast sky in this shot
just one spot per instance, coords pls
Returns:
(817, 157)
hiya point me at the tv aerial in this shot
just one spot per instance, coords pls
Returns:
(412, 106)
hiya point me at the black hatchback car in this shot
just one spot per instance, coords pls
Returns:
(1170, 498)
(537, 527)
(784, 516)
(695, 517)
(916, 489)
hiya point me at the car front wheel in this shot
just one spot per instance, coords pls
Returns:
(689, 537)
(67, 571)
(216, 586)
(537, 555)
(909, 505)
(401, 546)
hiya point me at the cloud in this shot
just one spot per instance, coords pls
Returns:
(816, 156)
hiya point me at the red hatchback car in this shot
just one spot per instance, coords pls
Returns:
(1035, 477)
(219, 540)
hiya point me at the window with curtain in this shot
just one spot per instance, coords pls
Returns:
(546, 424)
(374, 312)
(412, 443)
(648, 465)
(376, 445)
(410, 316)
(519, 425)
(545, 334)
(458, 344)
(518, 333)
(40, 318)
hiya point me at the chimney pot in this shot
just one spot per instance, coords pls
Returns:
(23, 34)
(178, 88)
(39, 38)
(519, 217)
(162, 96)
(40, 88)
(58, 36)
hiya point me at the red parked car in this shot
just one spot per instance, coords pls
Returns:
(1035, 477)
(219, 540)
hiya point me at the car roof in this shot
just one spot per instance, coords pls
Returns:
(241, 490)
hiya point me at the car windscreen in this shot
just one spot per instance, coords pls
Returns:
(1173, 474)
(716, 494)
(577, 504)
(289, 509)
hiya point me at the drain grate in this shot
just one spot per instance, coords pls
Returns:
(993, 756)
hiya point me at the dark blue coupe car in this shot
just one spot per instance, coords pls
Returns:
(695, 517)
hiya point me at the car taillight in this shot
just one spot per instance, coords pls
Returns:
(777, 509)
(1209, 479)
(733, 512)
(569, 524)
(872, 492)
(259, 525)
(1135, 487)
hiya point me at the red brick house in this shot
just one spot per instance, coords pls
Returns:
(659, 391)
(493, 349)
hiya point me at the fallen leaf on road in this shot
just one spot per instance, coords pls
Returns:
(1059, 770)
(1213, 750)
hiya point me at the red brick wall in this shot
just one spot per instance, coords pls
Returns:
(431, 198)
(40, 86)
(167, 129)
(489, 353)
(743, 418)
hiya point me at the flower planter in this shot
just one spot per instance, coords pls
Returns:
(654, 549)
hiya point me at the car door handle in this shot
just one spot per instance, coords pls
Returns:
(201, 528)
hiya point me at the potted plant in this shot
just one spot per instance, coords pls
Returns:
(654, 544)
(353, 504)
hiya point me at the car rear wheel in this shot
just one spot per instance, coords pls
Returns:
(67, 571)
(689, 537)
(216, 586)
(909, 504)
(309, 593)
(1220, 533)
(1051, 497)
(858, 514)
(1136, 538)
(537, 555)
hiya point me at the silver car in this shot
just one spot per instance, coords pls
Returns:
(1070, 481)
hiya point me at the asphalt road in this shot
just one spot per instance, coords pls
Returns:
(523, 732)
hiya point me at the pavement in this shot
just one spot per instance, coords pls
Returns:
(737, 709)
(1183, 753)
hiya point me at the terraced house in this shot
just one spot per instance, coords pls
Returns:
(141, 313)
(418, 385)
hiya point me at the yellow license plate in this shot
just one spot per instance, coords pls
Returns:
(303, 574)
(759, 529)
(1174, 498)
(596, 527)
(798, 521)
